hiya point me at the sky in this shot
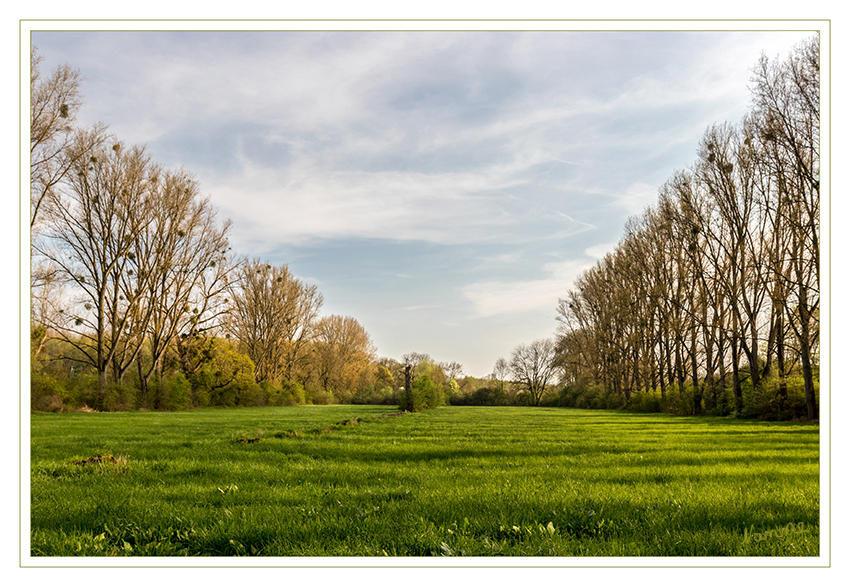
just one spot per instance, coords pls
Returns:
(443, 188)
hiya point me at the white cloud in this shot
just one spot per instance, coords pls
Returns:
(306, 201)
(495, 297)
(448, 138)
(599, 251)
(638, 196)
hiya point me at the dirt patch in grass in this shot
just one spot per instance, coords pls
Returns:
(247, 440)
(97, 459)
(333, 427)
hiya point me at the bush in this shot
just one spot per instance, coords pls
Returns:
(645, 400)
(176, 393)
(202, 382)
(82, 390)
(582, 395)
(247, 392)
(613, 400)
(424, 394)
(284, 394)
(47, 394)
(725, 403)
(768, 402)
(386, 396)
(320, 397)
(483, 396)
(687, 400)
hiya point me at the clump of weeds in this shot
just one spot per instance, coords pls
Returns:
(247, 439)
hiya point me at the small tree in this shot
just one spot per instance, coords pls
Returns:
(500, 372)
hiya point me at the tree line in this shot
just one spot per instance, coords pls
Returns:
(710, 302)
(138, 301)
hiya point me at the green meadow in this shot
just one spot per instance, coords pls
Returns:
(454, 481)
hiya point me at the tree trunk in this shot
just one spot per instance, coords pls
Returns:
(408, 389)
(143, 385)
(736, 378)
(805, 355)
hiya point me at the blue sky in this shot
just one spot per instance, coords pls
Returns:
(443, 188)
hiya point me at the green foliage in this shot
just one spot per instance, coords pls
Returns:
(483, 396)
(451, 390)
(115, 398)
(779, 398)
(645, 400)
(386, 396)
(424, 395)
(178, 392)
(284, 394)
(588, 395)
(320, 397)
(767, 402)
(725, 405)
(383, 377)
(47, 394)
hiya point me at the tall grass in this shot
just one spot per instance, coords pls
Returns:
(341, 481)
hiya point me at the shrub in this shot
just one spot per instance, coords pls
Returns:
(176, 392)
(284, 394)
(768, 402)
(320, 397)
(582, 395)
(386, 395)
(47, 394)
(82, 390)
(725, 403)
(645, 400)
(613, 400)
(247, 392)
(687, 400)
(424, 394)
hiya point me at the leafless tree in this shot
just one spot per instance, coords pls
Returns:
(533, 366)
(273, 315)
(181, 270)
(91, 235)
(54, 103)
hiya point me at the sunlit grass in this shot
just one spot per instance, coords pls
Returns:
(451, 481)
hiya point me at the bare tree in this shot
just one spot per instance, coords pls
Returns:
(55, 146)
(273, 315)
(54, 103)
(787, 99)
(93, 227)
(181, 266)
(500, 371)
(452, 370)
(533, 366)
(723, 268)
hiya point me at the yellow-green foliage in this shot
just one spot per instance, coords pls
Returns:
(769, 403)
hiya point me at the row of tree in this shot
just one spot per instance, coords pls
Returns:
(716, 286)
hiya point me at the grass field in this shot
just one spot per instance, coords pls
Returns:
(447, 482)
